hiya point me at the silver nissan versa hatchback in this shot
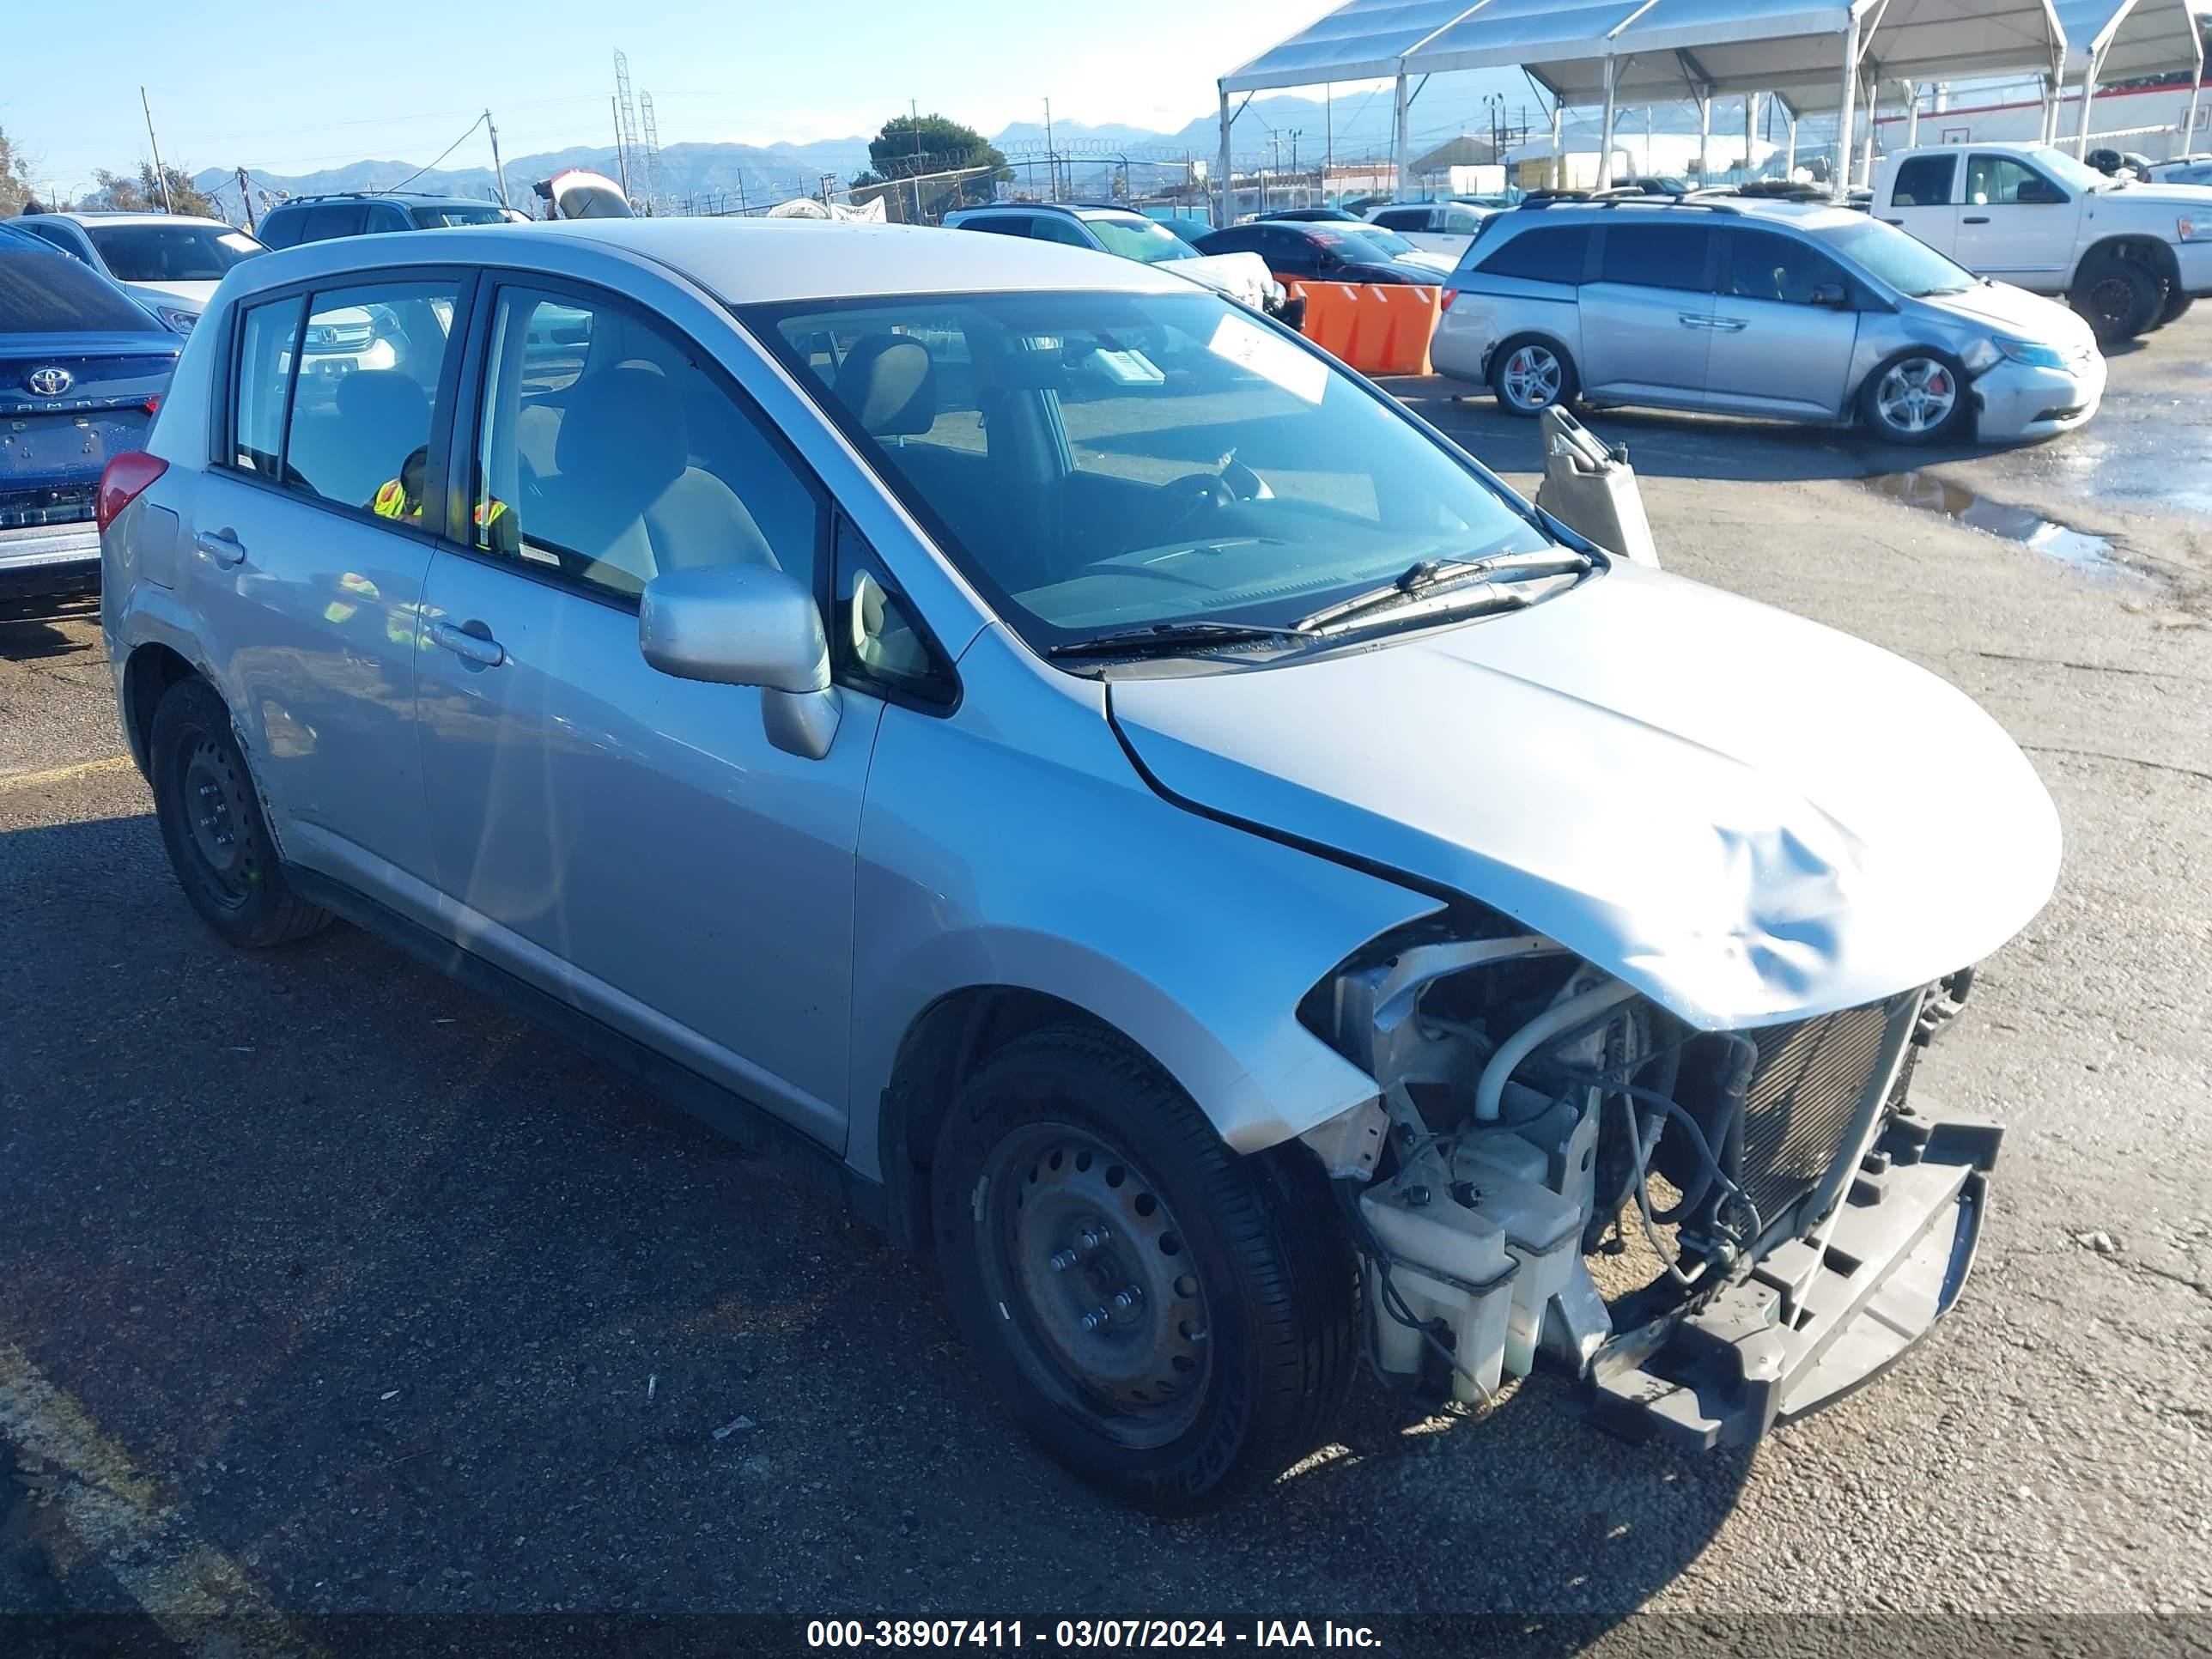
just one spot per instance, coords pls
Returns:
(1156, 824)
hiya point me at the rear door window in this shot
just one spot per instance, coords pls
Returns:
(267, 338)
(1658, 256)
(1924, 182)
(1549, 254)
(370, 362)
(1001, 224)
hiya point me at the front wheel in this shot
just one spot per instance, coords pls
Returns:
(1916, 399)
(1531, 375)
(2177, 303)
(1167, 1319)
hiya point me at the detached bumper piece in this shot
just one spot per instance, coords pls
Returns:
(1812, 1323)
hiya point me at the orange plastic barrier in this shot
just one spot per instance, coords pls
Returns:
(1374, 327)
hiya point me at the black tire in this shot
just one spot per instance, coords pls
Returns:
(1552, 368)
(2177, 304)
(2118, 298)
(212, 823)
(1884, 398)
(1249, 1297)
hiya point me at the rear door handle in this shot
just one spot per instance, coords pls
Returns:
(1975, 219)
(220, 545)
(1893, 222)
(469, 645)
(1730, 325)
(1691, 319)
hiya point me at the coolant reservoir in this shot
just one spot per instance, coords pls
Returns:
(1542, 1231)
(1451, 1263)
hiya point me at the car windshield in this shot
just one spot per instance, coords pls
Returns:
(171, 253)
(1097, 462)
(1904, 262)
(40, 293)
(2065, 170)
(430, 218)
(1389, 240)
(1145, 240)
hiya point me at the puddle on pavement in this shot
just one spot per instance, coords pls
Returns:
(1955, 502)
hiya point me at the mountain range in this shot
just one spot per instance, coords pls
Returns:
(1274, 131)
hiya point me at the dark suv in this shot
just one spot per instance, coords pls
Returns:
(319, 218)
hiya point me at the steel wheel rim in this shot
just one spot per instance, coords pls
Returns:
(1531, 378)
(213, 805)
(1918, 395)
(2112, 299)
(1086, 1265)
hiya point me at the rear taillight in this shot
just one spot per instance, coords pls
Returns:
(123, 481)
(1450, 295)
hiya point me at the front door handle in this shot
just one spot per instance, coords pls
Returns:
(220, 545)
(1692, 320)
(470, 642)
(1730, 325)
(1893, 222)
(1975, 219)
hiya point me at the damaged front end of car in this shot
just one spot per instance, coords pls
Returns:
(1716, 1230)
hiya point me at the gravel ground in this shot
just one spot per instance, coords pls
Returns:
(350, 1295)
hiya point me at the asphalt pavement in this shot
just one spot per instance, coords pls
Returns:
(325, 1289)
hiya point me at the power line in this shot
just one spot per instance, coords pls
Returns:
(442, 154)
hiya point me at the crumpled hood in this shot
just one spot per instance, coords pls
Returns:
(1747, 815)
(2016, 312)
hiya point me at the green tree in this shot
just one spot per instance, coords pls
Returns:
(930, 143)
(14, 178)
(120, 193)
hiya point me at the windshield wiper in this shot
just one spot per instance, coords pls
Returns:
(1172, 639)
(1428, 577)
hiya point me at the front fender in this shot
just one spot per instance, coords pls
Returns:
(1013, 844)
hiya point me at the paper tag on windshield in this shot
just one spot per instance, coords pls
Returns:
(1303, 376)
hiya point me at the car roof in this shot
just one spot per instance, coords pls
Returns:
(404, 197)
(1666, 209)
(97, 219)
(743, 261)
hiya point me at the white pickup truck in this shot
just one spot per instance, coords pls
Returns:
(2129, 256)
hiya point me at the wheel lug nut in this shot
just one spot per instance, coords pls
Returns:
(1063, 1260)
(1095, 1318)
(1094, 1238)
(1125, 1300)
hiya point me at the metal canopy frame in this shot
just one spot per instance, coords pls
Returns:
(1815, 57)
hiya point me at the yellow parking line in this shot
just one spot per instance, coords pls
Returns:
(66, 774)
(200, 1598)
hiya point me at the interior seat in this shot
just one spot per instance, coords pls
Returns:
(379, 417)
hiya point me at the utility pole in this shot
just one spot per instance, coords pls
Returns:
(246, 197)
(498, 172)
(913, 116)
(169, 205)
(1051, 156)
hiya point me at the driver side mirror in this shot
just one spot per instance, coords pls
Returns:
(1830, 294)
(749, 625)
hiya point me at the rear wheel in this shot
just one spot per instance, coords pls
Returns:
(1531, 375)
(1915, 398)
(2118, 298)
(1167, 1319)
(210, 814)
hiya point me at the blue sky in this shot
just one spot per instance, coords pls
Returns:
(289, 86)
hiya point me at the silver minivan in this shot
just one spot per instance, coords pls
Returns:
(1144, 817)
(1743, 306)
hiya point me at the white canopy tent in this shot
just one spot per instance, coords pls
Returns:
(2119, 41)
(1816, 56)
